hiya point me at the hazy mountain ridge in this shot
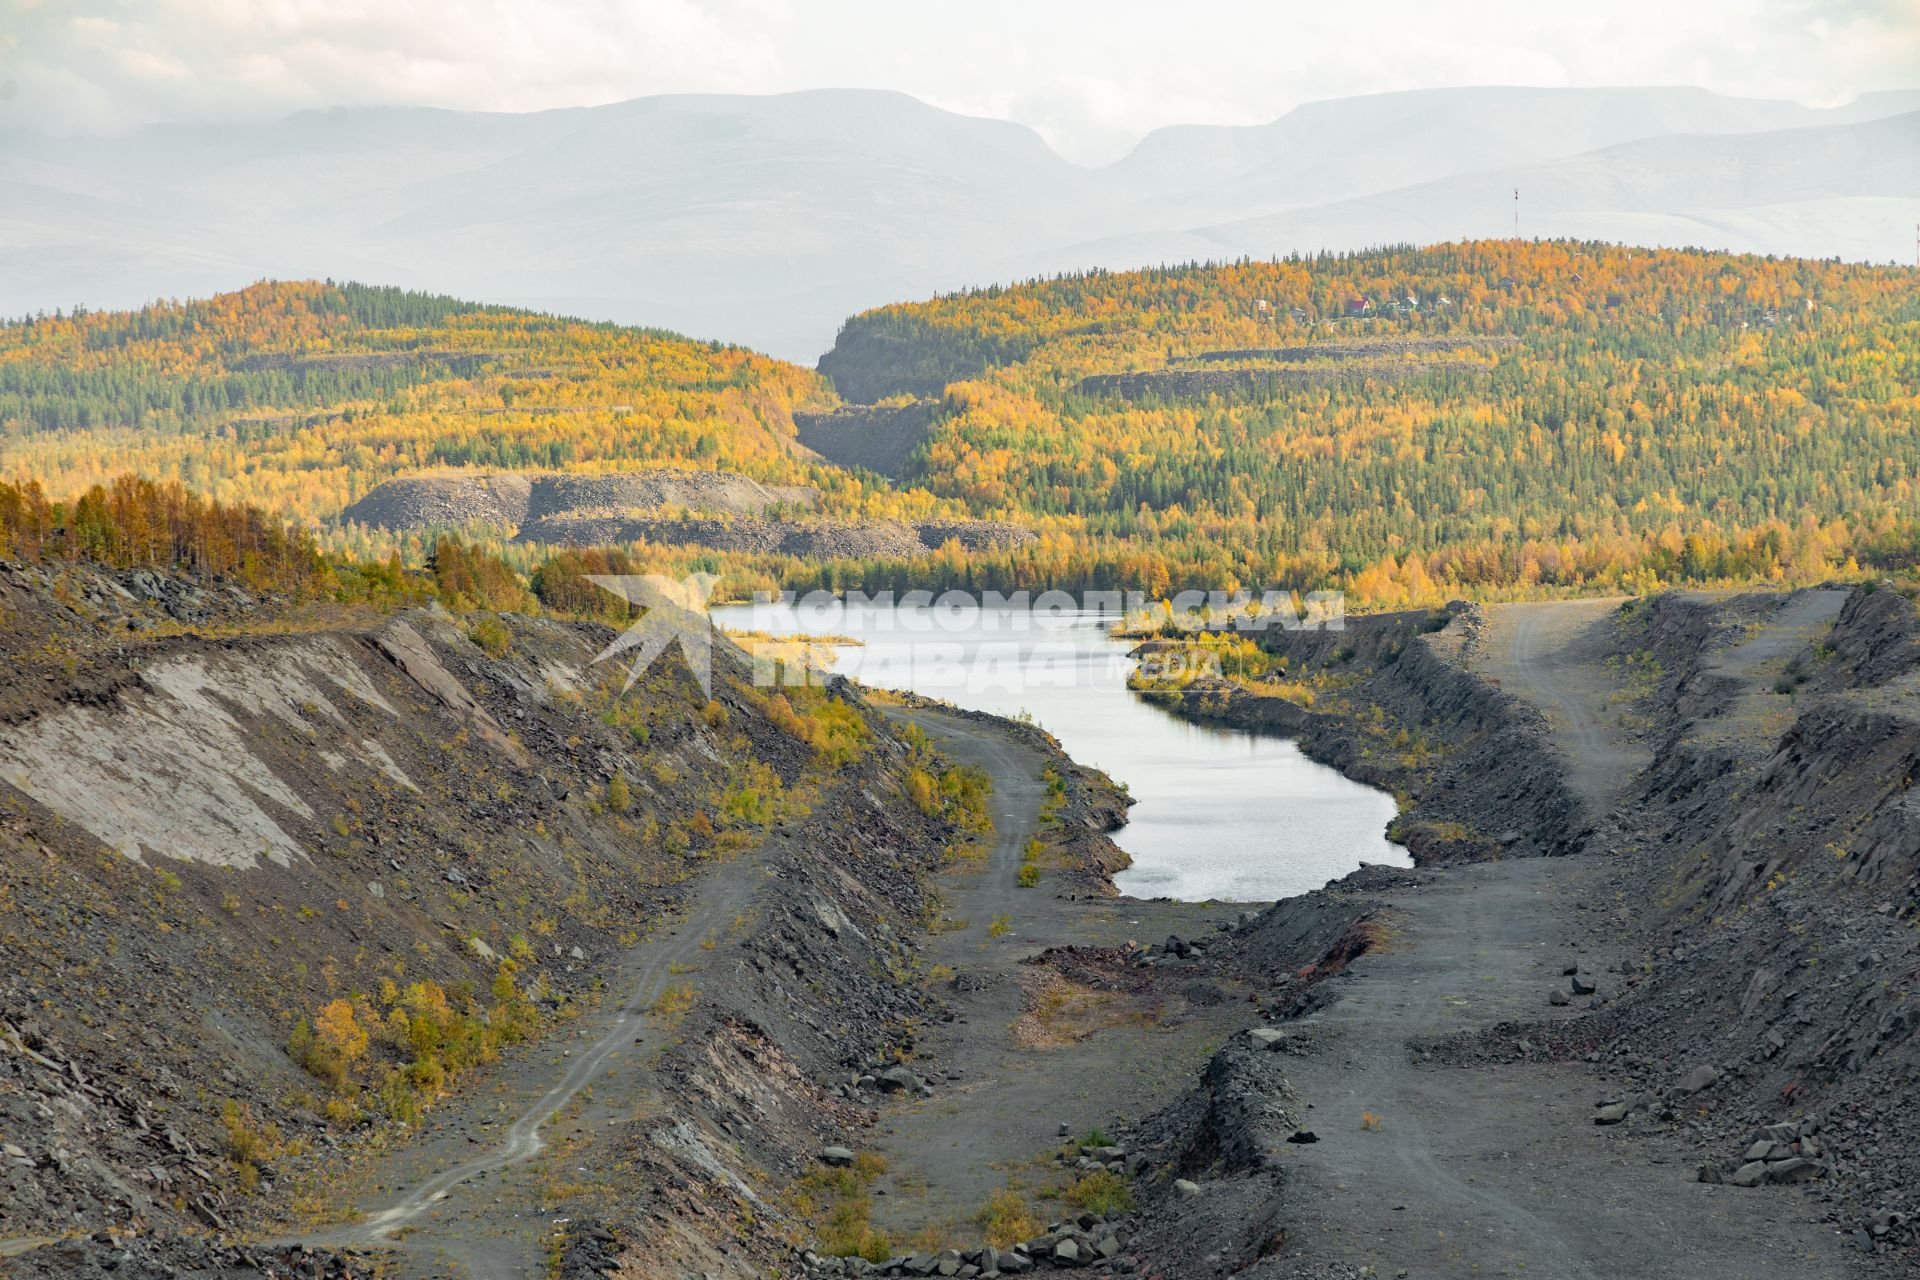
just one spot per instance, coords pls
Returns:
(769, 219)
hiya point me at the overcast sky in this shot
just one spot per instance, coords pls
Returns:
(1090, 75)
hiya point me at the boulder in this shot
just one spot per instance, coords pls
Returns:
(1749, 1175)
(1266, 1037)
(1612, 1113)
(1558, 997)
(897, 1079)
(1580, 986)
(836, 1157)
(1067, 1252)
(1792, 1169)
(1186, 1188)
(1695, 1080)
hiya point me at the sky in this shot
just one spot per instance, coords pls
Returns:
(1092, 76)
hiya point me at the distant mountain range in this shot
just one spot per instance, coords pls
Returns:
(768, 220)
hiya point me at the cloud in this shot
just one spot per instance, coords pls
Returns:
(1090, 75)
(87, 65)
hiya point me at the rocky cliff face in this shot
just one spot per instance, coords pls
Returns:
(511, 499)
(1261, 383)
(814, 540)
(879, 438)
(1751, 903)
(874, 358)
(1785, 874)
(211, 830)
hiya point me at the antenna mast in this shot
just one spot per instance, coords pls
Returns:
(1516, 214)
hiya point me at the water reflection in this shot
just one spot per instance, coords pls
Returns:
(1219, 813)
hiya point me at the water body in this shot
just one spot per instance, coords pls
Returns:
(1220, 814)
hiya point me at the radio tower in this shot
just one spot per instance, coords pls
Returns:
(1516, 214)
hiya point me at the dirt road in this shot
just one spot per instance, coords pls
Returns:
(1499, 1170)
(1551, 655)
(461, 1206)
(1756, 715)
(997, 1115)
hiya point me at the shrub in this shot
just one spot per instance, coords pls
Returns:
(1102, 1191)
(1029, 876)
(922, 790)
(492, 636)
(562, 583)
(469, 578)
(619, 795)
(247, 1143)
(336, 1030)
(839, 1199)
(1005, 1220)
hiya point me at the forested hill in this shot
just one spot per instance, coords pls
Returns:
(1411, 421)
(302, 396)
(1407, 424)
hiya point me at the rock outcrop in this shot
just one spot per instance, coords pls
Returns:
(510, 499)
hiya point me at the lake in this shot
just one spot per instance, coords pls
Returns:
(1219, 813)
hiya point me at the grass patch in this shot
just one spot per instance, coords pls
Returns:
(1102, 1191)
(1004, 1219)
(1056, 1013)
(839, 1203)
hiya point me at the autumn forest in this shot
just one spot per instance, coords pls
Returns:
(1490, 419)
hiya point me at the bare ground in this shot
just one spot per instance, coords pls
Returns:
(1500, 1170)
(1001, 1112)
(1551, 655)
(465, 1191)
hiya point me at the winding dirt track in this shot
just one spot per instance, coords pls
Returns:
(1544, 653)
(505, 1247)
(1017, 793)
